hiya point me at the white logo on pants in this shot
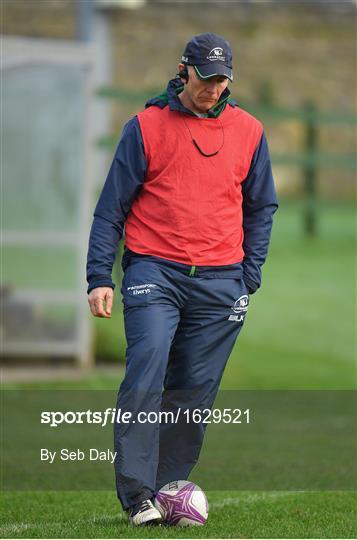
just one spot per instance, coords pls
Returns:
(141, 289)
(240, 307)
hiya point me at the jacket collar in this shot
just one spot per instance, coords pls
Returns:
(170, 98)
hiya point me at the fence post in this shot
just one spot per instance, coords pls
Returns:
(310, 172)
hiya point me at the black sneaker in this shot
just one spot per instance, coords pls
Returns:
(144, 513)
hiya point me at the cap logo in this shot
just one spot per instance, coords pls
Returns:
(216, 54)
(184, 58)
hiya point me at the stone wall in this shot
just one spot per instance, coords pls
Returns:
(304, 52)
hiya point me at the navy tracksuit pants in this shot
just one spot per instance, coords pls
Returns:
(181, 323)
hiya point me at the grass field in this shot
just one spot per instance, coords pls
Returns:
(299, 334)
(232, 515)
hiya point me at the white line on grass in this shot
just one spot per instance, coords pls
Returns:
(98, 520)
(17, 528)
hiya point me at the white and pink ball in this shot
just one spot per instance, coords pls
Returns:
(182, 503)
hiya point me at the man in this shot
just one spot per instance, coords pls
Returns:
(191, 181)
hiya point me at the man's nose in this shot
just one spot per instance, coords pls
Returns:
(212, 87)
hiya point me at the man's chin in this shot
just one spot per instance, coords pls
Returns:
(205, 106)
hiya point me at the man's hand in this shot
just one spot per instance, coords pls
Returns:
(100, 301)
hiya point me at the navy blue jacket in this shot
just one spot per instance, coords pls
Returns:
(127, 175)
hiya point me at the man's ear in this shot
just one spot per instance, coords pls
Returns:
(183, 73)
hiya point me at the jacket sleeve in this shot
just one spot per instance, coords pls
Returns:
(259, 205)
(122, 186)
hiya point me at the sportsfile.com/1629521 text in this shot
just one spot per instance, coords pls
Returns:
(112, 415)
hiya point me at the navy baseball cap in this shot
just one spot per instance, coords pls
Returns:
(210, 55)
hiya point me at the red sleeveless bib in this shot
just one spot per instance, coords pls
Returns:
(189, 209)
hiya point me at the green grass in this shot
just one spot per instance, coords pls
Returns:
(299, 334)
(232, 515)
(41, 268)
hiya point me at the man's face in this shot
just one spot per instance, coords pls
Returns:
(203, 94)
